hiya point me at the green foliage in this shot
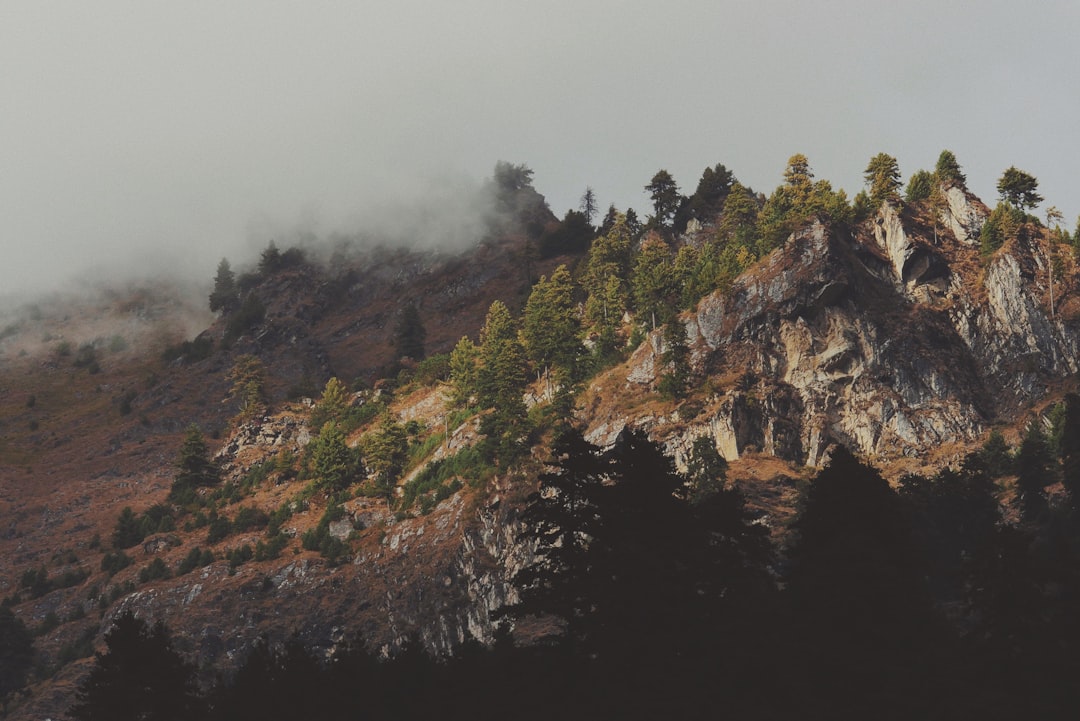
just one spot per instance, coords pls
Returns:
(128, 530)
(1017, 188)
(239, 556)
(463, 373)
(501, 378)
(271, 548)
(793, 204)
(738, 223)
(708, 199)
(676, 355)
(332, 406)
(248, 378)
(115, 561)
(219, 528)
(156, 570)
(664, 194)
(654, 283)
(86, 357)
(194, 467)
(225, 296)
(334, 464)
(572, 235)
(996, 455)
(883, 178)
(432, 369)
(249, 518)
(1034, 465)
(706, 470)
(919, 186)
(1002, 225)
(386, 452)
(442, 478)
(550, 325)
(410, 334)
(948, 170)
(196, 558)
(189, 351)
(319, 538)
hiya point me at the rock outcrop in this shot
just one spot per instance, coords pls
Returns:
(893, 342)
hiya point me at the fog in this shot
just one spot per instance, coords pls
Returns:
(141, 137)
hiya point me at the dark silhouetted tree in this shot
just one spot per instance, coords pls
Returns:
(225, 296)
(140, 677)
(1033, 472)
(194, 468)
(16, 655)
(664, 194)
(410, 334)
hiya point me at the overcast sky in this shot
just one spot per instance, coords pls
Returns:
(175, 133)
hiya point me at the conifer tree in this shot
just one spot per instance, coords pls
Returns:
(140, 677)
(664, 193)
(550, 326)
(385, 454)
(331, 406)
(410, 334)
(676, 357)
(883, 178)
(653, 282)
(463, 373)
(194, 468)
(332, 461)
(225, 296)
(1017, 188)
(948, 170)
(1033, 465)
(501, 378)
(248, 377)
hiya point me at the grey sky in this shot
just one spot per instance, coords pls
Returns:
(171, 134)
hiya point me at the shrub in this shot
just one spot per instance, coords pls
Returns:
(196, 558)
(154, 571)
(114, 562)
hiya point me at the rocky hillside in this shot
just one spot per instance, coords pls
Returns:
(902, 346)
(899, 339)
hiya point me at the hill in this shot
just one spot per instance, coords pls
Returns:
(898, 335)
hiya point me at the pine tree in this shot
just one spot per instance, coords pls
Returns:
(883, 178)
(948, 170)
(1033, 464)
(410, 334)
(194, 468)
(653, 282)
(676, 357)
(1017, 188)
(332, 406)
(664, 193)
(332, 461)
(385, 454)
(140, 677)
(248, 377)
(463, 373)
(501, 378)
(225, 296)
(919, 186)
(550, 326)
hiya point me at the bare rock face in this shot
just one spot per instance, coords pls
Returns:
(888, 342)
